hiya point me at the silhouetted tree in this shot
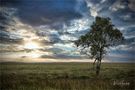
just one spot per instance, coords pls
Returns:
(95, 43)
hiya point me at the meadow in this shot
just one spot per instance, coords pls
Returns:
(66, 76)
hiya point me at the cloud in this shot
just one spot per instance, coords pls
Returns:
(7, 16)
(45, 11)
(65, 46)
(62, 56)
(118, 5)
(129, 32)
(5, 37)
(68, 38)
(132, 5)
(81, 7)
(93, 8)
(102, 1)
(78, 25)
(62, 38)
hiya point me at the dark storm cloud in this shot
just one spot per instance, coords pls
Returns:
(120, 13)
(94, 1)
(124, 17)
(132, 4)
(44, 11)
(130, 31)
(6, 21)
(61, 56)
(118, 10)
(10, 2)
(130, 40)
(120, 59)
(6, 17)
(124, 53)
(5, 38)
(55, 50)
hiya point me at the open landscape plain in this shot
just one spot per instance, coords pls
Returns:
(66, 76)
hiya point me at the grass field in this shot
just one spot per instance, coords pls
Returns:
(66, 76)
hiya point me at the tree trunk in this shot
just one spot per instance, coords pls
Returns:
(98, 67)
(99, 63)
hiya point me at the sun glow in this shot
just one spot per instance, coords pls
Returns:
(31, 45)
(34, 55)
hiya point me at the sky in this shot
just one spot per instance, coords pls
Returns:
(44, 30)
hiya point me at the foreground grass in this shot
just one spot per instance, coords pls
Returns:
(66, 76)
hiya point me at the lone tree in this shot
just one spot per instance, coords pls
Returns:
(95, 43)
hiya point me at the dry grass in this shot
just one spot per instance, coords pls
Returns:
(66, 76)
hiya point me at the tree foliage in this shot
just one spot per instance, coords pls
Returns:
(102, 35)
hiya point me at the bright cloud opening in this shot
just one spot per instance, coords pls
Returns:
(31, 45)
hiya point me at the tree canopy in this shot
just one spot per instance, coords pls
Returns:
(100, 37)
